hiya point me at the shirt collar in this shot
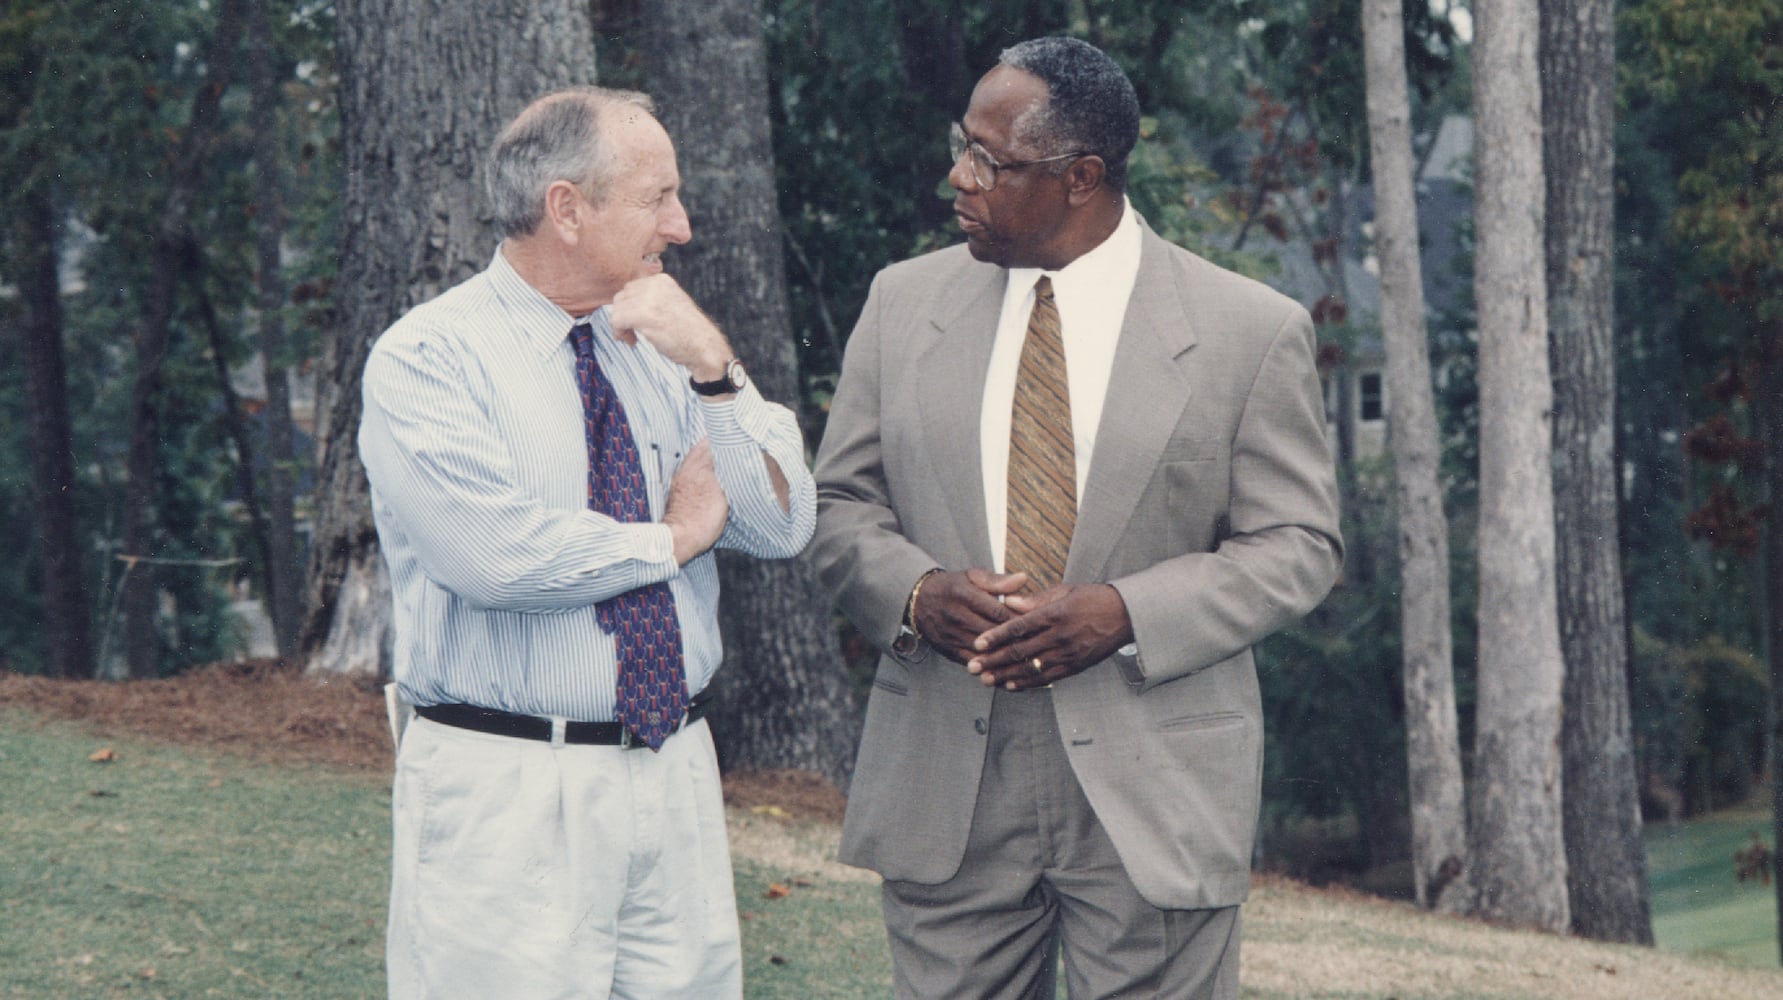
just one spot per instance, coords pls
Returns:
(542, 324)
(1096, 268)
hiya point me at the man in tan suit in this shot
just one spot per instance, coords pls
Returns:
(1072, 474)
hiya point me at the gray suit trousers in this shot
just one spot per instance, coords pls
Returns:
(1041, 878)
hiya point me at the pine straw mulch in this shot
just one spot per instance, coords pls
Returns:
(268, 710)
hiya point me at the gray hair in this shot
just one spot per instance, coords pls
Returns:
(556, 138)
(1091, 106)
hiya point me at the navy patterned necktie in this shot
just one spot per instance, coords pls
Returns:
(652, 689)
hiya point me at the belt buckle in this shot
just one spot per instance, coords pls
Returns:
(625, 737)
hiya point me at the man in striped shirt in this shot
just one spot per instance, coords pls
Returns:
(554, 447)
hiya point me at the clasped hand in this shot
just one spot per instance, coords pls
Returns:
(1017, 640)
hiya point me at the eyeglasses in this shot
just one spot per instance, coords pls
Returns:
(983, 165)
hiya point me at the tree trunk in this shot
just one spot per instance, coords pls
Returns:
(1768, 400)
(1519, 853)
(784, 696)
(284, 581)
(1606, 861)
(67, 632)
(142, 530)
(1433, 742)
(425, 86)
(232, 410)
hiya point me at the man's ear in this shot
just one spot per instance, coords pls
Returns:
(1083, 179)
(565, 210)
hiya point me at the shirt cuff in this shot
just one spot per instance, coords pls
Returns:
(654, 545)
(1131, 666)
(744, 419)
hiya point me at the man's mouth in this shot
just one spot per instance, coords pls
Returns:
(653, 258)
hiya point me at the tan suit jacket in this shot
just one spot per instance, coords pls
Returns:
(1210, 505)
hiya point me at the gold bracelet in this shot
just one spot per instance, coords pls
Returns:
(910, 605)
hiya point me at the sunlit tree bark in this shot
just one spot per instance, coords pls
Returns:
(1518, 852)
(424, 87)
(1433, 744)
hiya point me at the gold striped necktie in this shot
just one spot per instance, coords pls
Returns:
(1042, 457)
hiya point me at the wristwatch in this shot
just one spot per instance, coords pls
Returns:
(733, 380)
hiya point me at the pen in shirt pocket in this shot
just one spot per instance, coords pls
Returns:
(667, 463)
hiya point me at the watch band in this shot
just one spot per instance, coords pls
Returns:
(733, 380)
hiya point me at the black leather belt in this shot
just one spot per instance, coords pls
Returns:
(533, 727)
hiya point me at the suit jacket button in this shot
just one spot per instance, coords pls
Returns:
(981, 726)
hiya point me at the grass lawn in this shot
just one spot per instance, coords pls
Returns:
(171, 873)
(179, 873)
(166, 874)
(1698, 905)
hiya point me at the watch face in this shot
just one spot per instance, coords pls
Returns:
(737, 376)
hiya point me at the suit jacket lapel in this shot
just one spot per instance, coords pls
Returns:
(951, 368)
(1146, 394)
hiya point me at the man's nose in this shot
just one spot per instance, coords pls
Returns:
(676, 228)
(960, 174)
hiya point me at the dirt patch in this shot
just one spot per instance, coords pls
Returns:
(257, 708)
(269, 710)
(800, 794)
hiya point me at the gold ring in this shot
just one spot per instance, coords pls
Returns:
(1036, 665)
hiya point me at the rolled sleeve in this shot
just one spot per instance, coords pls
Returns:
(744, 429)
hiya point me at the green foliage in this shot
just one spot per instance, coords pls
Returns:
(1334, 711)
(1726, 59)
(1699, 154)
(1180, 199)
(93, 104)
(1699, 720)
(861, 146)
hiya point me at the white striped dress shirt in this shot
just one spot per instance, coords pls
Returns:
(473, 441)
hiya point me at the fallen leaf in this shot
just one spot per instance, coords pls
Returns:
(778, 891)
(103, 755)
(146, 972)
(100, 793)
(774, 811)
(776, 960)
(803, 883)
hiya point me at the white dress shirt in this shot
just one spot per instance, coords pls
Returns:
(472, 437)
(1091, 293)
